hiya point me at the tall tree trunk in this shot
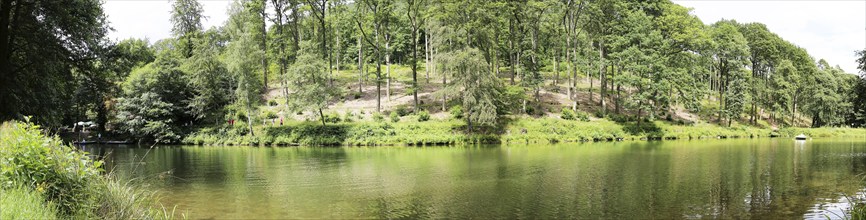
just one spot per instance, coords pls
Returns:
(794, 112)
(388, 66)
(415, 30)
(264, 48)
(601, 73)
(360, 66)
(250, 119)
(278, 11)
(322, 116)
(378, 69)
(427, 58)
(555, 71)
(444, 83)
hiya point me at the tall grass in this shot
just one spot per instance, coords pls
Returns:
(24, 203)
(67, 178)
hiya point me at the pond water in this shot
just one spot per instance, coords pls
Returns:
(744, 178)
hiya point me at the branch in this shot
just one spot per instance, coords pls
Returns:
(364, 34)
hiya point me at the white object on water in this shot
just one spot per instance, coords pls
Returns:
(801, 137)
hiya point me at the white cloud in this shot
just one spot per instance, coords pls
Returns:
(830, 30)
(150, 18)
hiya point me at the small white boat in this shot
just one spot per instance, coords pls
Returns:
(801, 137)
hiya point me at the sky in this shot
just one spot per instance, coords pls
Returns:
(830, 30)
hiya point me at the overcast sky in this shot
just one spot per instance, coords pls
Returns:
(831, 30)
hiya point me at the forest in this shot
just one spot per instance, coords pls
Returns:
(479, 63)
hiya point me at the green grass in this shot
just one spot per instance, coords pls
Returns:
(409, 131)
(24, 203)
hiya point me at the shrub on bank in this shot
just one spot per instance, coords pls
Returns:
(64, 178)
(423, 116)
(517, 130)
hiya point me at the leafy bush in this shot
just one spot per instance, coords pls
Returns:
(348, 116)
(568, 114)
(395, 117)
(356, 95)
(272, 103)
(582, 116)
(377, 117)
(423, 116)
(45, 164)
(333, 118)
(456, 112)
(402, 111)
(66, 177)
(268, 115)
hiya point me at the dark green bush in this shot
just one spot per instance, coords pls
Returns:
(456, 112)
(395, 117)
(377, 117)
(423, 115)
(333, 118)
(348, 117)
(568, 114)
(402, 111)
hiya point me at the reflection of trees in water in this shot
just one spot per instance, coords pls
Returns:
(673, 179)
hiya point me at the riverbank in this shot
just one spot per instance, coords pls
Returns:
(519, 130)
(41, 178)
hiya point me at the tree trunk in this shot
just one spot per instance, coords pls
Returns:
(388, 66)
(444, 83)
(250, 119)
(415, 29)
(322, 116)
(378, 70)
(427, 59)
(794, 113)
(360, 67)
(555, 71)
(264, 48)
(278, 9)
(601, 73)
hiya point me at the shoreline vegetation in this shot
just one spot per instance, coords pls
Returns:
(515, 131)
(42, 178)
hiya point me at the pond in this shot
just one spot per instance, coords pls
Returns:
(743, 178)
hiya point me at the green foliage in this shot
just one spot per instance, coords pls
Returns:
(423, 116)
(571, 115)
(395, 117)
(567, 114)
(309, 81)
(377, 117)
(209, 79)
(333, 118)
(24, 203)
(402, 111)
(68, 179)
(46, 165)
(48, 49)
(456, 112)
(348, 117)
(479, 89)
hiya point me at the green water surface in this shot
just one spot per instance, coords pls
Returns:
(745, 178)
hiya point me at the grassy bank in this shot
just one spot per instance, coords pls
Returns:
(517, 130)
(41, 178)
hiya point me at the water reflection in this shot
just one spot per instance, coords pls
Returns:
(765, 178)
